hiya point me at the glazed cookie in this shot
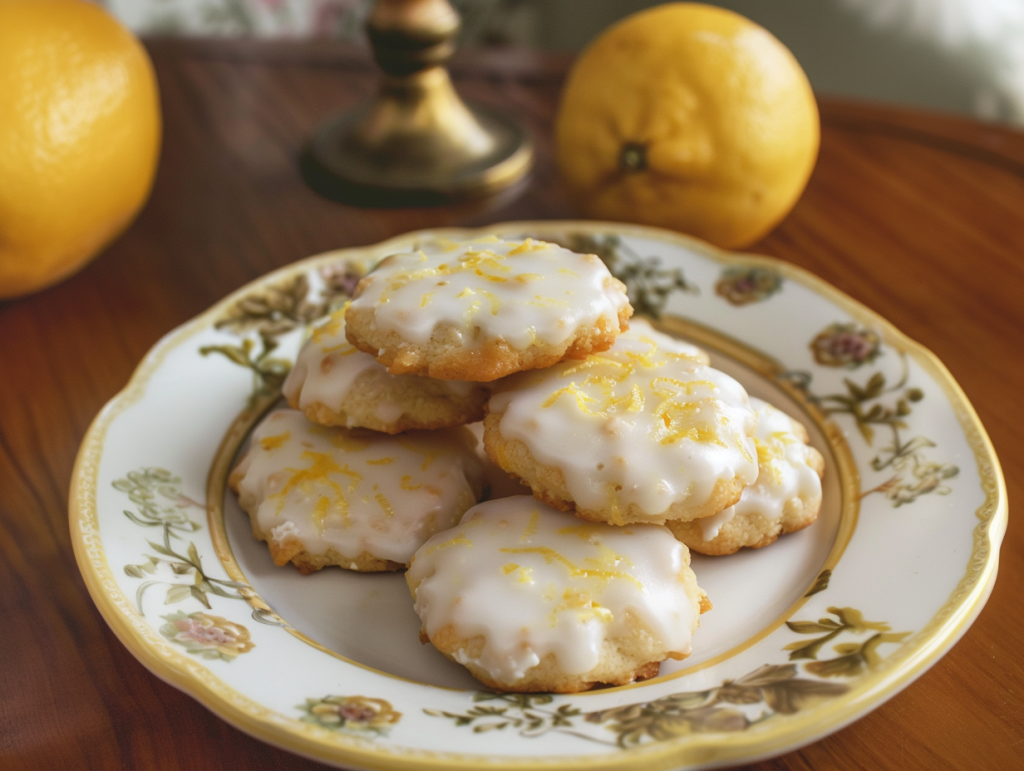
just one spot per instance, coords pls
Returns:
(639, 433)
(482, 309)
(785, 498)
(498, 483)
(336, 384)
(530, 599)
(362, 500)
(641, 337)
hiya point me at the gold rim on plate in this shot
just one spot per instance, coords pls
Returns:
(894, 673)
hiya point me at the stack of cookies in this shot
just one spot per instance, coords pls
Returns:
(629, 448)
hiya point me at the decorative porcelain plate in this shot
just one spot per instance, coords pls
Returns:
(806, 635)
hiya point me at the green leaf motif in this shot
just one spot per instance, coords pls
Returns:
(875, 406)
(799, 694)
(854, 619)
(776, 688)
(810, 627)
(160, 503)
(854, 657)
(193, 558)
(177, 593)
(522, 711)
(874, 387)
(234, 353)
(648, 284)
(161, 549)
(273, 311)
(200, 595)
(268, 373)
(157, 496)
(820, 584)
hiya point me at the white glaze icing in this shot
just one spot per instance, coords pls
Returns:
(356, 491)
(636, 425)
(643, 335)
(486, 288)
(783, 472)
(710, 526)
(281, 534)
(328, 366)
(535, 581)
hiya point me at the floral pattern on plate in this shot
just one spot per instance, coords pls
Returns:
(879, 398)
(742, 285)
(210, 637)
(354, 714)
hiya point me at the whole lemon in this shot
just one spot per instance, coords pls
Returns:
(689, 117)
(79, 137)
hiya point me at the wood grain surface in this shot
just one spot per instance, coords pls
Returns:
(918, 216)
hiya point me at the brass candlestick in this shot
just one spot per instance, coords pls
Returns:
(417, 141)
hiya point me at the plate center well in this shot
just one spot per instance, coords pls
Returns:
(369, 618)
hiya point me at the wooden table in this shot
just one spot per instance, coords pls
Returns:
(920, 217)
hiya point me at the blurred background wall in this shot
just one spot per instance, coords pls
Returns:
(958, 55)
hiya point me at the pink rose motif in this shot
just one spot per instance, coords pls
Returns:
(356, 713)
(846, 345)
(743, 286)
(207, 636)
(340, 279)
(351, 713)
